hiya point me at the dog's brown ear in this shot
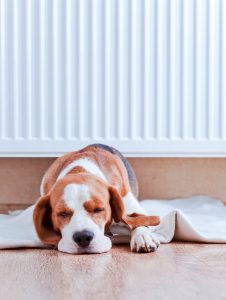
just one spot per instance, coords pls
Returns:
(43, 222)
(133, 220)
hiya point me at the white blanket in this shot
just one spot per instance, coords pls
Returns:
(195, 219)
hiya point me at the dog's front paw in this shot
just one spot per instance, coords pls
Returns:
(143, 240)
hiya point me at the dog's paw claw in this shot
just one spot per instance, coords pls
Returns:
(142, 250)
(152, 249)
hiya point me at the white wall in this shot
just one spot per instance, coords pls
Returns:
(147, 76)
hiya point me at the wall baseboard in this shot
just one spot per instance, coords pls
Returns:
(5, 208)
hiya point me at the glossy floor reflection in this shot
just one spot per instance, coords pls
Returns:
(175, 271)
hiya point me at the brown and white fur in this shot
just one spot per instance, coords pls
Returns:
(82, 194)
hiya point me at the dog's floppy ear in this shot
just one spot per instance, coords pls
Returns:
(43, 222)
(133, 220)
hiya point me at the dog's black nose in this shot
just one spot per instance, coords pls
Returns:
(83, 238)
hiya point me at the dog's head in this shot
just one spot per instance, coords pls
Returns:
(76, 213)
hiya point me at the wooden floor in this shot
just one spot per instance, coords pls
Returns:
(175, 271)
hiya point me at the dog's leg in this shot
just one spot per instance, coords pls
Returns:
(143, 239)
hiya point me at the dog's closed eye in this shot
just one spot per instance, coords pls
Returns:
(64, 214)
(98, 209)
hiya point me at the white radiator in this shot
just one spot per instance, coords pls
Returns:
(146, 76)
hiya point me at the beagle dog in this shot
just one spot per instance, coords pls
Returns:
(82, 194)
